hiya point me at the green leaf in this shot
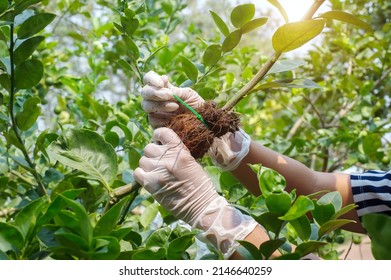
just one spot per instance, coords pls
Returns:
(26, 219)
(189, 68)
(269, 180)
(133, 50)
(334, 198)
(346, 17)
(149, 214)
(242, 14)
(289, 83)
(10, 237)
(28, 74)
(5, 82)
(82, 216)
(270, 221)
(26, 49)
(278, 203)
(232, 40)
(267, 248)
(87, 151)
(3, 6)
(293, 35)
(134, 157)
(108, 221)
(300, 207)
(212, 55)
(343, 211)
(21, 5)
(252, 249)
(378, 227)
(71, 241)
(308, 247)
(159, 237)
(150, 254)
(58, 204)
(323, 213)
(302, 226)
(34, 24)
(106, 248)
(253, 24)
(178, 246)
(277, 4)
(31, 111)
(220, 23)
(371, 143)
(286, 65)
(129, 25)
(332, 225)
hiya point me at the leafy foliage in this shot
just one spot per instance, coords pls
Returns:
(72, 128)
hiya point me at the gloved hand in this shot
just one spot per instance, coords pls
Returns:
(158, 100)
(226, 152)
(179, 184)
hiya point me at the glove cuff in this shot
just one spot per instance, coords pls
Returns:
(223, 225)
(228, 151)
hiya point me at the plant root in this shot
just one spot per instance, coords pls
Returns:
(197, 136)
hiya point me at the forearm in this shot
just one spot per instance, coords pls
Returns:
(297, 175)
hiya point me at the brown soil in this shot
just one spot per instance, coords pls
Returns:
(196, 135)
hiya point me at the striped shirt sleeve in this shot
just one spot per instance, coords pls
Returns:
(372, 192)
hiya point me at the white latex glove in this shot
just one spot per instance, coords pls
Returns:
(180, 184)
(158, 100)
(228, 151)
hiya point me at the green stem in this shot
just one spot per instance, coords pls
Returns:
(242, 93)
(41, 188)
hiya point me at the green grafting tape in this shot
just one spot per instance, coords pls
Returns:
(191, 109)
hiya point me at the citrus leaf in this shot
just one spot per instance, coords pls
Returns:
(212, 55)
(280, 8)
(346, 17)
(31, 111)
(10, 237)
(300, 207)
(253, 24)
(220, 23)
(26, 49)
(378, 227)
(190, 69)
(28, 74)
(293, 35)
(308, 247)
(34, 24)
(108, 221)
(88, 152)
(242, 14)
(332, 225)
(302, 227)
(278, 203)
(232, 40)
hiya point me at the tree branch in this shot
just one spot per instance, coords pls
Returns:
(243, 92)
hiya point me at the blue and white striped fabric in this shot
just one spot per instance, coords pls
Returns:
(372, 192)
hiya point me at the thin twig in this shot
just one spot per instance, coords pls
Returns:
(41, 188)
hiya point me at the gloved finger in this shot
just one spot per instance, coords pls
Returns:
(153, 79)
(156, 93)
(148, 164)
(166, 136)
(148, 180)
(159, 106)
(154, 150)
